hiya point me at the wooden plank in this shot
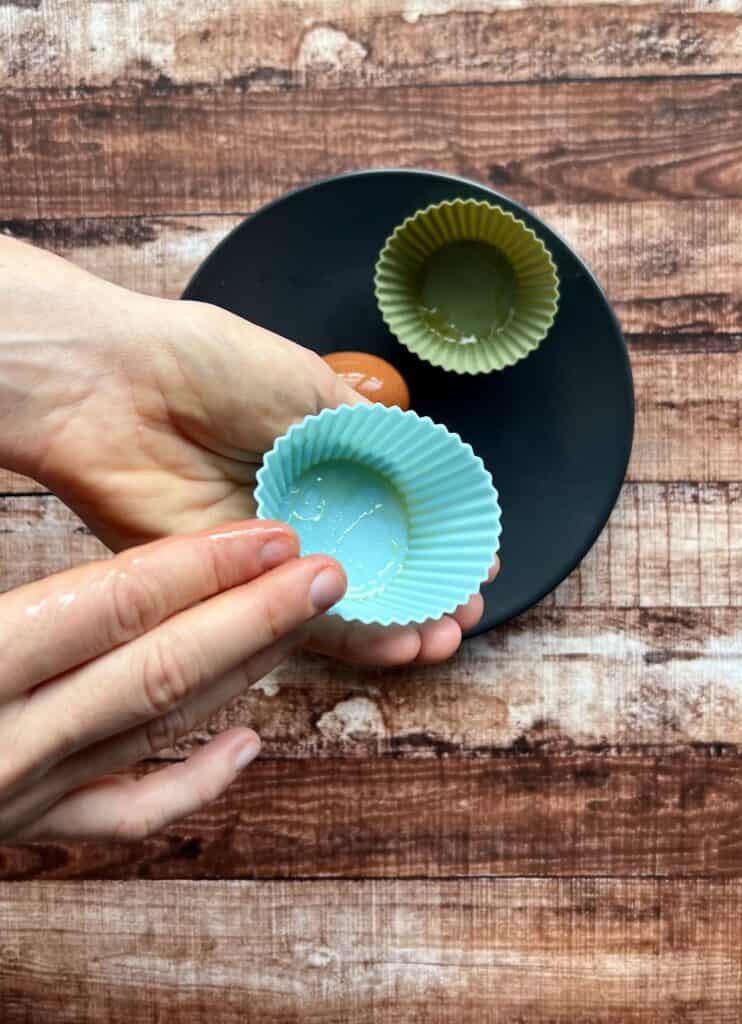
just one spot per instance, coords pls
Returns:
(585, 667)
(687, 381)
(688, 424)
(664, 264)
(38, 536)
(156, 148)
(536, 952)
(526, 812)
(669, 271)
(14, 483)
(688, 428)
(283, 44)
(661, 544)
(660, 547)
(561, 678)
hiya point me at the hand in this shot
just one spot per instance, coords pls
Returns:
(158, 415)
(109, 663)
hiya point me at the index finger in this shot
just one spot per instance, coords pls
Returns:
(59, 623)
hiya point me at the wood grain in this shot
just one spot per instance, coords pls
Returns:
(689, 428)
(675, 545)
(586, 667)
(680, 300)
(284, 44)
(525, 812)
(688, 425)
(556, 952)
(670, 271)
(14, 483)
(561, 678)
(600, 734)
(156, 148)
(38, 536)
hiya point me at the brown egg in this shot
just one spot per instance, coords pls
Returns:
(372, 377)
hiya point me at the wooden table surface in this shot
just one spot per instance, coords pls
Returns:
(548, 828)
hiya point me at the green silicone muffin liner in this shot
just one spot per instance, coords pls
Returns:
(467, 286)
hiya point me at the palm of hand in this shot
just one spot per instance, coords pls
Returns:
(171, 437)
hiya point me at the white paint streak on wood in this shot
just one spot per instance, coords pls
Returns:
(68, 43)
(585, 673)
(413, 10)
(267, 686)
(357, 718)
(319, 957)
(560, 677)
(325, 48)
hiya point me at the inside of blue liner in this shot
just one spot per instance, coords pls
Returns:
(352, 512)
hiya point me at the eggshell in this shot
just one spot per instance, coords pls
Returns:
(372, 377)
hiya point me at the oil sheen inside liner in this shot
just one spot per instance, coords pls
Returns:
(353, 513)
(466, 292)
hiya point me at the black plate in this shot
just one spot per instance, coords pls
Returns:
(555, 430)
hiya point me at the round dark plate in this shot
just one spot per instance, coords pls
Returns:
(555, 430)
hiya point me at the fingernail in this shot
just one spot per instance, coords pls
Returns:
(246, 753)
(327, 587)
(274, 553)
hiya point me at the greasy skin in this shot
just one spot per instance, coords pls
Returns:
(150, 418)
(114, 661)
(158, 415)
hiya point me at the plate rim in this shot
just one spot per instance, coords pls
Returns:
(628, 376)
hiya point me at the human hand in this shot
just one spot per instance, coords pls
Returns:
(109, 663)
(157, 418)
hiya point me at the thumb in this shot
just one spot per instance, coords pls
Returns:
(314, 386)
(244, 385)
(332, 390)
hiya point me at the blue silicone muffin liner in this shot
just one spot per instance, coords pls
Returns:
(404, 505)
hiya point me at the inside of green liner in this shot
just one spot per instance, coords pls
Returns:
(466, 291)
